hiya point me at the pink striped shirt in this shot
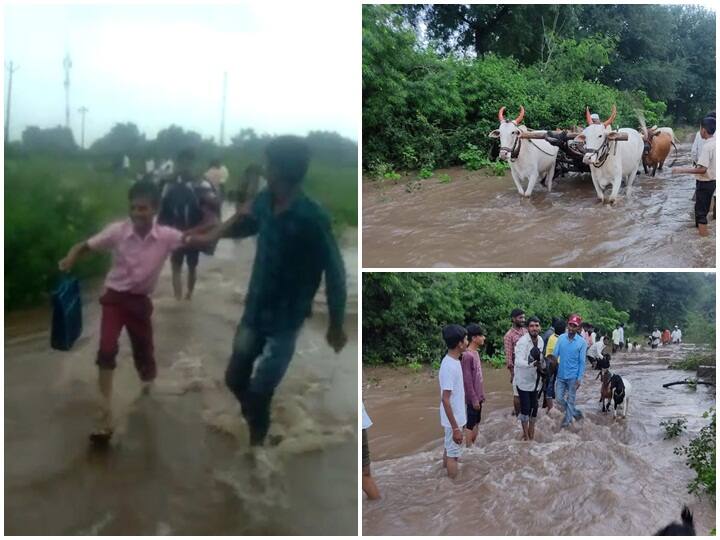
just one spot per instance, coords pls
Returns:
(136, 262)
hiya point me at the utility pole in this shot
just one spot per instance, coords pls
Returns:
(82, 110)
(222, 120)
(67, 64)
(11, 69)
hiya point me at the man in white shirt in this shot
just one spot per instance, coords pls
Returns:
(705, 184)
(452, 396)
(528, 357)
(217, 175)
(655, 338)
(621, 332)
(616, 339)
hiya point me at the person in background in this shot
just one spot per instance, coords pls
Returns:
(368, 483)
(217, 175)
(516, 331)
(552, 362)
(473, 381)
(616, 338)
(621, 332)
(655, 338)
(251, 182)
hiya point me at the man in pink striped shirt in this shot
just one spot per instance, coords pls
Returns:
(517, 330)
(139, 248)
(473, 381)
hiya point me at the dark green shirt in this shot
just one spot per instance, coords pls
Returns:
(294, 248)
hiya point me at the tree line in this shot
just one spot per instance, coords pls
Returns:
(434, 76)
(404, 312)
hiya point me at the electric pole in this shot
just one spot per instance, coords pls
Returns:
(67, 64)
(222, 120)
(82, 110)
(11, 69)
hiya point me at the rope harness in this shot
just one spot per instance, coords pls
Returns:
(603, 152)
(515, 150)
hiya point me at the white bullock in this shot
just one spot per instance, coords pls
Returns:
(610, 160)
(530, 160)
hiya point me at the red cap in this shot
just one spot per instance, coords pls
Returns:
(575, 319)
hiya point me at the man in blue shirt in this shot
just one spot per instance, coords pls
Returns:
(571, 349)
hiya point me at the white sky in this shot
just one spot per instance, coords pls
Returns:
(292, 66)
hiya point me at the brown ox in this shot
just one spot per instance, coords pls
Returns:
(656, 149)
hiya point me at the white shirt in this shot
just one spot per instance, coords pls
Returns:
(596, 350)
(525, 376)
(616, 336)
(621, 330)
(696, 147)
(366, 422)
(707, 159)
(451, 378)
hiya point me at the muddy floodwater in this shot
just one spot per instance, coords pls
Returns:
(476, 220)
(180, 463)
(599, 477)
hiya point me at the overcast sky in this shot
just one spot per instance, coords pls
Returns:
(292, 67)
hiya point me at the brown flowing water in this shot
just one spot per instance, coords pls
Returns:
(477, 220)
(179, 464)
(599, 477)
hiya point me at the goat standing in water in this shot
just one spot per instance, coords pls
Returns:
(605, 390)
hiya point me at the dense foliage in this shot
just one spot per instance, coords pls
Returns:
(404, 312)
(700, 456)
(435, 76)
(56, 198)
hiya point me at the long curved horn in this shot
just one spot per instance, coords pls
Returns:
(613, 114)
(587, 116)
(520, 116)
(501, 114)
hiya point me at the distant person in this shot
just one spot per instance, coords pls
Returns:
(549, 332)
(666, 337)
(655, 338)
(251, 183)
(473, 381)
(595, 352)
(621, 332)
(452, 396)
(181, 208)
(528, 381)
(677, 335)
(217, 175)
(553, 360)
(616, 339)
(517, 330)
(595, 118)
(705, 171)
(295, 248)
(368, 483)
(139, 247)
(571, 349)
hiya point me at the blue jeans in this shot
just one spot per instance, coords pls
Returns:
(569, 386)
(254, 386)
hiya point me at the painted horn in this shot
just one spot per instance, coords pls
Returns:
(501, 114)
(613, 114)
(520, 116)
(587, 116)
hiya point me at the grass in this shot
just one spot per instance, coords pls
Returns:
(692, 361)
(53, 202)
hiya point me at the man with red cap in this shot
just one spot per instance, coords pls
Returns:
(571, 348)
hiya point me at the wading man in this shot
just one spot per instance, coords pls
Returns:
(571, 349)
(517, 330)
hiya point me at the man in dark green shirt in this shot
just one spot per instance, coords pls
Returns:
(295, 245)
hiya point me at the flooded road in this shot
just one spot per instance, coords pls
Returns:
(600, 477)
(418, 226)
(179, 464)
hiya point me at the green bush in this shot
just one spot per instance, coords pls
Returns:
(425, 173)
(673, 428)
(700, 456)
(444, 178)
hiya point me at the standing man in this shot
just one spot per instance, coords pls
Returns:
(621, 330)
(452, 396)
(217, 175)
(528, 357)
(572, 349)
(517, 330)
(616, 338)
(552, 361)
(473, 381)
(655, 338)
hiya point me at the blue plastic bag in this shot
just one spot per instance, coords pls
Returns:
(67, 314)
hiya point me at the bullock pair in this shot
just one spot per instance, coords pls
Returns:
(612, 155)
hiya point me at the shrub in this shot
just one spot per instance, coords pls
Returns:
(673, 428)
(700, 456)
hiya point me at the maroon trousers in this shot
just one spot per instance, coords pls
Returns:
(133, 312)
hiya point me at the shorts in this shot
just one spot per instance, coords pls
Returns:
(452, 449)
(365, 449)
(473, 417)
(191, 255)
